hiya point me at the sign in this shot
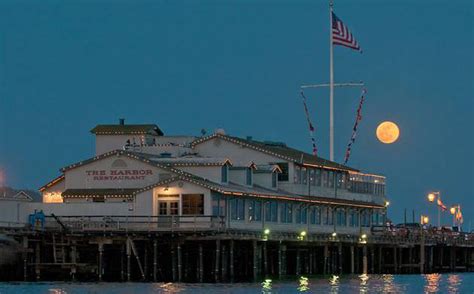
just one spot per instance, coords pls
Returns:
(119, 174)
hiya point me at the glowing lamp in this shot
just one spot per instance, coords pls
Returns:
(334, 234)
(364, 236)
(431, 197)
(452, 210)
(387, 203)
(424, 219)
(266, 231)
(303, 233)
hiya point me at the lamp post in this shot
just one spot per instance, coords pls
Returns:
(424, 221)
(432, 196)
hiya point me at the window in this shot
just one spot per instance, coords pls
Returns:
(174, 208)
(193, 204)
(339, 180)
(304, 175)
(224, 173)
(218, 205)
(326, 214)
(354, 218)
(365, 222)
(255, 210)
(163, 209)
(237, 209)
(274, 179)
(331, 179)
(286, 213)
(271, 211)
(283, 176)
(341, 217)
(317, 177)
(249, 176)
(297, 175)
(315, 215)
(324, 178)
(301, 214)
(311, 177)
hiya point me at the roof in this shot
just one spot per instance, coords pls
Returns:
(98, 192)
(268, 168)
(190, 160)
(123, 129)
(52, 183)
(279, 150)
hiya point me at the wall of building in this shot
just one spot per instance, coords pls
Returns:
(92, 175)
(212, 173)
(263, 180)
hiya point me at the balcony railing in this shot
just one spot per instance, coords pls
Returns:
(135, 223)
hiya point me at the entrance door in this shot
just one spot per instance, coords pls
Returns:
(168, 207)
(167, 212)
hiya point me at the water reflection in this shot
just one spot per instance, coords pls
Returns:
(364, 278)
(267, 286)
(304, 284)
(170, 288)
(454, 281)
(334, 282)
(432, 283)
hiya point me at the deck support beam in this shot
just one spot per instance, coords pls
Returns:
(155, 259)
(352, 259)
(231, 261)
(201, 264)
(364, 260)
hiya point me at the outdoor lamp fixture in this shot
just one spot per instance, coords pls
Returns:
(303, 234)
(387, 203)
(424, 220)
(166, 188)
(431, 197)
(266, 232)
(364, 236)
(452, 210)
(334, 234)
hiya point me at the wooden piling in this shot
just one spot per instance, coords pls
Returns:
(339, 258)
(25, 258)
(372, 259)
(37, 261)
(129, 253)
(255, 259)
(395, 260)
(265, 259)
(298, 262)
(224, 263)
(352, 259)
(326, 257)
(217, 258)
(364, 260)
(179, 260)
(100, 247)
(201, 264)
(231, 261)
(155, 259)
(173, 263)
(73, 261)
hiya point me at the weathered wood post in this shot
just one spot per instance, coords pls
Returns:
(372, 259)
(180, 265)
(25, 258)
(395, 260)
(145, 261)
(73, 260)
(173, 263)
(224, 263)
(231, 261)
(265, 259)
(129, 253)
(37, 260)
(379, 260)
(430, 263)
(155, 258)
(255, 260)
(281, 260)
(311, 258)
(217, 258)
(352, 259)
(100, 246)
(452, 257)
(298, 263)
(201, 264)
(326, 257)
(339, 257)
(364, 260)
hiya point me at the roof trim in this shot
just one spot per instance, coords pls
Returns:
(52, 183)
(127, 129)
(243, 142)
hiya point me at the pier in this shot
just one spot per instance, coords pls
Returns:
(203, 249)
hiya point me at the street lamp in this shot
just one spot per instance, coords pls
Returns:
(424, 220)
(431, 198)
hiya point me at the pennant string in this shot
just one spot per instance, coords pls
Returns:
(354, 129)
(310, 124)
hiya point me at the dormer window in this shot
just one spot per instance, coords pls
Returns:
(249, 176)
(225, 174)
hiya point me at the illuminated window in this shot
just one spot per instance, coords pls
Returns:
(193, 204)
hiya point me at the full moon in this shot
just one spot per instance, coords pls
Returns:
(387, 132)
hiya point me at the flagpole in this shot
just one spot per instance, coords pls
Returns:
(331, 87)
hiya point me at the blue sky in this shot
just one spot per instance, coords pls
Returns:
(66, 66)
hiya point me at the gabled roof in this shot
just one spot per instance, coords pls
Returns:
(189, 160)
(279, 150)
(52, 183)
(268, 168)
(124, 129)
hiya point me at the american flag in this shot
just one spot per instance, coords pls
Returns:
(341, 34)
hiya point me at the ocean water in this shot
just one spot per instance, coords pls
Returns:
(431, 283)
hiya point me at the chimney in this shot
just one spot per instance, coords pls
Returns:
(121, 121)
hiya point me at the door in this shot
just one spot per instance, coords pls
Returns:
(167, 212)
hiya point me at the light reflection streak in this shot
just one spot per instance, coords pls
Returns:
(454, 281)
(267, 286)
(432, 283)
(334, 282)
(364, 278)
(304, 284)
